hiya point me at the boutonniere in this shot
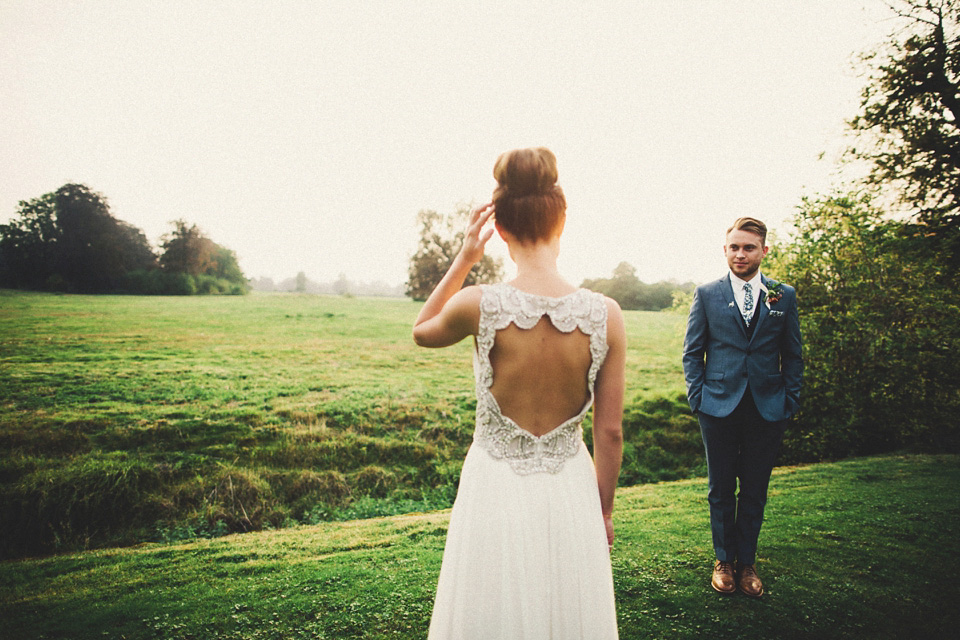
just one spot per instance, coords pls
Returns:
(774, 293)
(731, 304)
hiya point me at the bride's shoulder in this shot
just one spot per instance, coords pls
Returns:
(467, 297)
(611, 305)
(616, 328)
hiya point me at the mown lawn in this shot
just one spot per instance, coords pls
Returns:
(863, 548)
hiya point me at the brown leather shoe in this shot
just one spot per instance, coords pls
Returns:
(749, 581)
(723, 580)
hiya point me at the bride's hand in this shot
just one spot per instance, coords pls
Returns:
(608, 525)
(473, 241)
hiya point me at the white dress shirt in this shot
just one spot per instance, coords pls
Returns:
(756, 285)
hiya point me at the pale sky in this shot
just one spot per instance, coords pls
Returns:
(306, 135)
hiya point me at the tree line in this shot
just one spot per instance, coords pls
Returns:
(342, 286)
(633, 294)
(440, 240)
(69, 241)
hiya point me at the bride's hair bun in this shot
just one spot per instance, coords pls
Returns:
(526, 171)
(528, 202)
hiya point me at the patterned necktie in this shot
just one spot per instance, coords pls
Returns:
(747, 303)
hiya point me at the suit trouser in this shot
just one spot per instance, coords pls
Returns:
(742, 446)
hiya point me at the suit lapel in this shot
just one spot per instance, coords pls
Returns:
(762, 311)
(726, 290)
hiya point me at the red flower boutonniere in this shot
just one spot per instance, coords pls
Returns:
(774, 293)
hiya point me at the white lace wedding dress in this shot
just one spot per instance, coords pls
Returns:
(526, 554)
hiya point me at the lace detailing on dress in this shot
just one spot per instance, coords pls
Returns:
(501, 305)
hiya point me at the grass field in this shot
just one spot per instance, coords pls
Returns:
(125, 419)
(863, 548)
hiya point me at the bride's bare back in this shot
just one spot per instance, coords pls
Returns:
(540, 375)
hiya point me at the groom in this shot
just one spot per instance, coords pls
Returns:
(743, 366)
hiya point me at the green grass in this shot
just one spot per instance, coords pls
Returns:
(126, 419)
(864, 548)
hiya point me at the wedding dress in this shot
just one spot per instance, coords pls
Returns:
(526, 554)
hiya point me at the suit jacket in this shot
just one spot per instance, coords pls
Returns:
(720, 360)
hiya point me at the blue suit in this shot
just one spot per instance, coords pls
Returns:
(744, 384)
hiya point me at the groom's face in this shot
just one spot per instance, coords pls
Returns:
(745, 251)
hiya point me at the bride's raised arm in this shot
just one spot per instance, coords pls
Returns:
(451, 314)
(608, 414)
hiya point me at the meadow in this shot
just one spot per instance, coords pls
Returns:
(862, 548)
(126, 419)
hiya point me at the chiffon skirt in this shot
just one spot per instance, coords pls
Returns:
(526, 555)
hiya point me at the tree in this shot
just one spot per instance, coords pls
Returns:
(342, 285)
(440, 239)
(28, 245)
(909, 121)
(203, 266)
(624, 286)
(880, 334)
(631, 293)
(224, 265)
(301, 282)
(95, 249)
(69, 240)
(186, 250)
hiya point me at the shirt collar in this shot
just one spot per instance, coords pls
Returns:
(756, 282)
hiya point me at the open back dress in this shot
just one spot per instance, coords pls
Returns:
(526, 554)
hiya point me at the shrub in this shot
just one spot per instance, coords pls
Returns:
(84, 503)
(305, 488)
(239, 497)
(374, 481)
(179, 284)
(881, 329)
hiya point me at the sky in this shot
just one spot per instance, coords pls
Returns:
(306, 135)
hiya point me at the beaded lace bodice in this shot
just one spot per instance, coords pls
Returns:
(501, 305)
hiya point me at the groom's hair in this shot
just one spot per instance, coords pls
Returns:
(753, 226)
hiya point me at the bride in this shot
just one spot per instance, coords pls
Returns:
(527, 550)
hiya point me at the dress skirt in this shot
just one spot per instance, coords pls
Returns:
(526, 556)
